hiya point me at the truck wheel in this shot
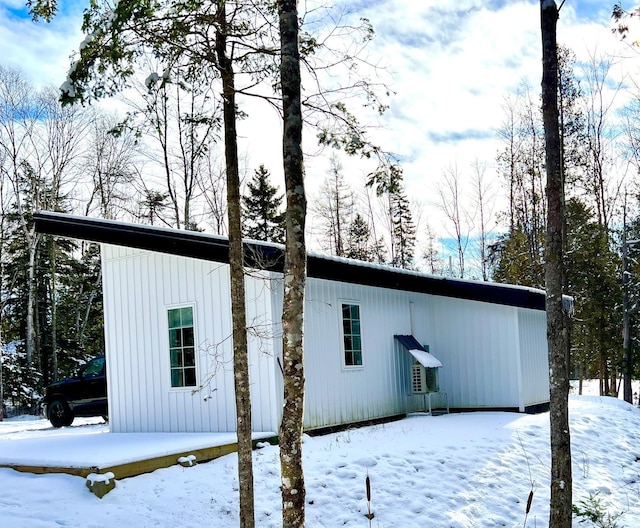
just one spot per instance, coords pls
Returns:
(59, 414)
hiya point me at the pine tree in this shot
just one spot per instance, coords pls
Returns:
(263, 219)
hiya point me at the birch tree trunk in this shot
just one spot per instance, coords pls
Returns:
(557, 328)
(236, 265)
(33, 240)
(292, 475)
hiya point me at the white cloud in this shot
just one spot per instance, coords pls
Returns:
(452, 64)
(41, 50)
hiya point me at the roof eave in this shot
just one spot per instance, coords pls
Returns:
(270, 257)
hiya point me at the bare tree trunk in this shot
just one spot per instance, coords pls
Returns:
(557, 332)
(295, 271)
(627, 360)
(54, 313)
(451, 206)
(482, 188)
(33, 240)
(236, 265)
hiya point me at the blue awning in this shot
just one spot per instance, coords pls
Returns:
(414, 348)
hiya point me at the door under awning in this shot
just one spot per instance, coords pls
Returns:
(414, 348)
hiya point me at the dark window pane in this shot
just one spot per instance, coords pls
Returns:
(348, 357)
(189, 357)
(187, 336)
(190, 377)
(176, 378)
(355, 311)
(357, 357)
(357, 344)
(348, 343)
(346, 326)
(176, 357)
(175, 335)
(355, 327)
(187, 316)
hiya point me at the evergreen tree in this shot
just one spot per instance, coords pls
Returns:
(388, 185)
(403, 230)
(592, 280)
(31, 372)
(359, 244)
(263, 219)
(511, 262)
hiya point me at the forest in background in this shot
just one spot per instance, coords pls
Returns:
(160, 163)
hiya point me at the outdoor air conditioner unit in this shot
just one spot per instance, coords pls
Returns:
(418, 379)
(423, 379)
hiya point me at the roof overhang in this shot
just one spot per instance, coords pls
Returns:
(270, 257)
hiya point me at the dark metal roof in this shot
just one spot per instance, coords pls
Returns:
(270, 257)
(409, 342)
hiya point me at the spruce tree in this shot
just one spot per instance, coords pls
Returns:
(359, 245)
(403, 230)
(263, 219)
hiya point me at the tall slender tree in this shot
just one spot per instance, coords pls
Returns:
(560, 512)
(224, 30)
(451, 204)
(295, 273)
(335, 206)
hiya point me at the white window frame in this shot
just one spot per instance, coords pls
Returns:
(343, 351)
(167, 308)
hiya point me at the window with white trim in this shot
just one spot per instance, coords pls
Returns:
(182, 347)
(351, 335)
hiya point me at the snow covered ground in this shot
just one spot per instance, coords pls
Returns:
(458, 470)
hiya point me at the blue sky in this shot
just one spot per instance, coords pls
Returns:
(450, 64)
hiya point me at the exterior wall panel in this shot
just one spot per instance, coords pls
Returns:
(486, 349)
(139, 288)
(476, 342)
(535, 356)
(337, 394)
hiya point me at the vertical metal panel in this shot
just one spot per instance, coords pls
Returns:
(262, 332)
(337, 394)
(139, 287)
(477, 345)
(277, 294)
(487, 350)
(534, 353)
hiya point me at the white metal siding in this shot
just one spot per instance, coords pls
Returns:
(490, 353)
(477, 345)
(534, 356)
(337, 394)
(139, 288)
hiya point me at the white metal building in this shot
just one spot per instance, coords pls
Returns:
(372, 334)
